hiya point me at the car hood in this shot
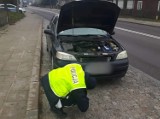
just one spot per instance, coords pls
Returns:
(93, 14)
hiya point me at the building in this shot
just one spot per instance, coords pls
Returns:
(139, 8)
(147, 8)
(134, 8)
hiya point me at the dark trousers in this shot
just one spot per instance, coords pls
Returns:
(52, 98)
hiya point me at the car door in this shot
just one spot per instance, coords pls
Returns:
(52, 38)
(47, 35)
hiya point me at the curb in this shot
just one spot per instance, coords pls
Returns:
(33, 96)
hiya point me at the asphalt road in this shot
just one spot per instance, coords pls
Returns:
(142, 43)
(143, 51)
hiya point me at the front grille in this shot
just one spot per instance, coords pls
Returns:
(94, 59)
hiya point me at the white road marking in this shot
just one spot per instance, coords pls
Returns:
(140, 33)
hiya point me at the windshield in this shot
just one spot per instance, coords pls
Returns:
(83, 31)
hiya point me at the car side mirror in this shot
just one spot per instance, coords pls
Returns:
(113, 33)
(48, 31)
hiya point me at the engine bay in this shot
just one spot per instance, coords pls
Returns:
(90, 46)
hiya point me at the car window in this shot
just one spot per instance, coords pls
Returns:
(1, 5)
(11, 6)
(83, 31)
(54, 23)
(55, 20)
(52, 20)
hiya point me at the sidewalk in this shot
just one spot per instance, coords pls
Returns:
(20, 46)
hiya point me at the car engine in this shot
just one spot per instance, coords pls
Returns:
(90, 46)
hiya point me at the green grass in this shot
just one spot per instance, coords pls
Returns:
(14, 17)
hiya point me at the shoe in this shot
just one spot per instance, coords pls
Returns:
(59, 112)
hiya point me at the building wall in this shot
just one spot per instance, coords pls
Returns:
(149, 9)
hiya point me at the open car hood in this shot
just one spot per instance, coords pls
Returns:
(88, 13)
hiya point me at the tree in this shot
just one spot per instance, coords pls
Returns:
(116, 2)
(125, 4)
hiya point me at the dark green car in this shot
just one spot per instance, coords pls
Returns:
(82, 33)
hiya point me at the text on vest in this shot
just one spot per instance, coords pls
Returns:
(74, 75)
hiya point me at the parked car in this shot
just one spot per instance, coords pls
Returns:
(12, 8)
(22, 10)
(82, 33)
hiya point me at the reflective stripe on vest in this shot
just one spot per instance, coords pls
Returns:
(66, 79)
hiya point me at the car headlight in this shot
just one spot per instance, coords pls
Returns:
(122, 55)
(65, 56)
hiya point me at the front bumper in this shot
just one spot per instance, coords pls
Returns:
(119, 68)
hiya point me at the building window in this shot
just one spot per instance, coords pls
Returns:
(158, 6)
(120, 3)
(130, 4)
(139, 5)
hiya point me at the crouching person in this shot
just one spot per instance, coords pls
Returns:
(67, 86)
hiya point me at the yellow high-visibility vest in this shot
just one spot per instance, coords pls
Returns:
(66, 79)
